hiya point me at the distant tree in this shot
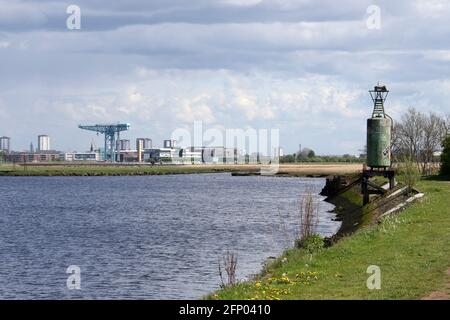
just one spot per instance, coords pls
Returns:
(312, 157)
(417, 137)
(447, 123)
(433, 136)
(303, 154)
(363, 153)
(289, 158)
(445, 157)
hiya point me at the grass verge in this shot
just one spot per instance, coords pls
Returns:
(69, 169)
(412, 250)
(100, 170)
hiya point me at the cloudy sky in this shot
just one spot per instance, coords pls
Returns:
(301, 66)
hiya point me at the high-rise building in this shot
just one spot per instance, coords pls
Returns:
(5, 144)
(144, 143)
(170, 143)
(43, 142)
(124, 144)
(139, 144)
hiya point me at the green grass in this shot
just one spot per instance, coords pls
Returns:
(100, 170)
(412, 250)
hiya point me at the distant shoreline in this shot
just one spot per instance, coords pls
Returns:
(87, 169)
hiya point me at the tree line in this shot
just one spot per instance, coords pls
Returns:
(308, 155)
(420, 137)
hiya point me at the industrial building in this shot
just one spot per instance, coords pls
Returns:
(218, 155)
(144, 153)
(191, 155)
(120, 150)
(127, 156)
(38, 156)
(80, 156)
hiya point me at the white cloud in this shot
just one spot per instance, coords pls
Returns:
(134, 96)
(18, 14)
(438, 55)
(299, 65)
(242, 3)
(432, 8)
(196, 109)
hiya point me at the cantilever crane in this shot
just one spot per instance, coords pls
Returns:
(109, 130)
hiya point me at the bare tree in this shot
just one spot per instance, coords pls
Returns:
(410, 132)
(418, 136)
(397, 145)
(229, 264)
(447, 124)
(432, 136)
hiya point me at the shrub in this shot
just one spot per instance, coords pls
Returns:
(409, 173)
(308, 237)
(312, 244)
(308, 213)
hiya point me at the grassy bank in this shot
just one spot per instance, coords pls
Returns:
(412, 250)
(106, 170)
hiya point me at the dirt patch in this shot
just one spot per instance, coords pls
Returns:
(442, 294)
(303, 169)
(320, 169)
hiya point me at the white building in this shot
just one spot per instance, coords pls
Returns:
(43, 142)
(191, 155)
(219, 155)
(163, 155)
(80, 156)
(5, 144)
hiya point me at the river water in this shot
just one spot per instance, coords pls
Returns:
(142, 237)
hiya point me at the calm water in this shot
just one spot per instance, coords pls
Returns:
(149, 237)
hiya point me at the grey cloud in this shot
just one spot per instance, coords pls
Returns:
(101, 15)
(275, 63)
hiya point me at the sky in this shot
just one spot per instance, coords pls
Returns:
(303, 67)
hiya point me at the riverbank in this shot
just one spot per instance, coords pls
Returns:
(64, 169)
(411, 250)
